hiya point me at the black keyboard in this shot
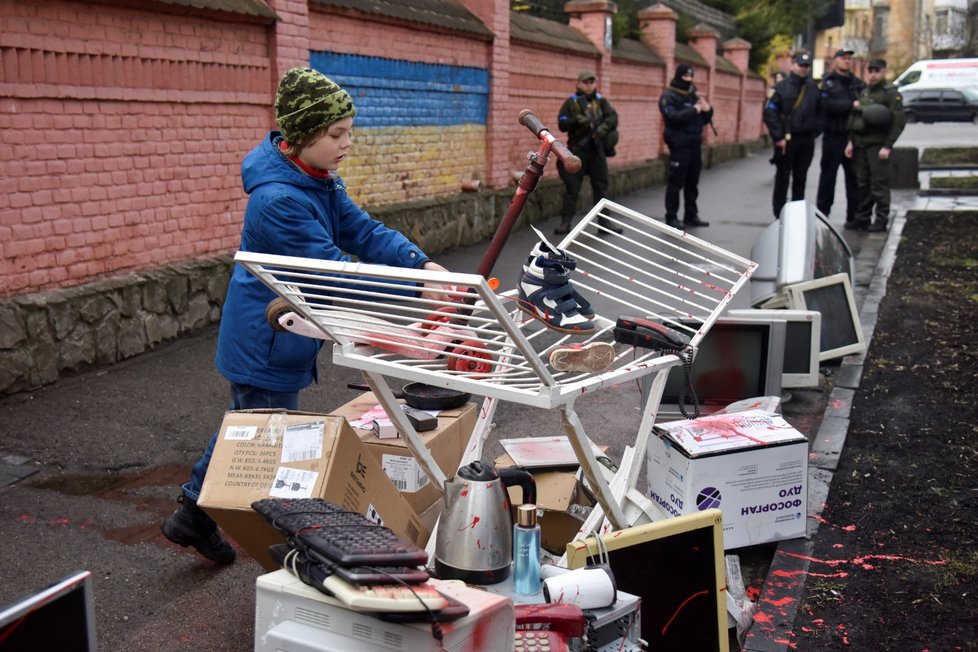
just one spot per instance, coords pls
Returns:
(330, 534)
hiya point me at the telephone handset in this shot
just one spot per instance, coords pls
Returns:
(638, 331)
(543, 626)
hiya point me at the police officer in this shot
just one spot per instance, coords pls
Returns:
(685, 114)
(793, 117)
(591, 124)
(876, 122)
(840, 88)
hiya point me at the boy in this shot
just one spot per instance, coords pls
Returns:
(297, 207)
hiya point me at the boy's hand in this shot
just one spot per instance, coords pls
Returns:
(434, 291)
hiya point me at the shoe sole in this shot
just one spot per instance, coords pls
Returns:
(568, 331)
(594, 357)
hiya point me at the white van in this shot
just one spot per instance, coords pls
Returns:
(927, 73)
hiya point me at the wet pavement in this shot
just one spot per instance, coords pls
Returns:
(89, 466)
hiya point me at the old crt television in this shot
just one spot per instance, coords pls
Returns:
(677, 567)
(842, 332)
(737, 359)
(799, 246)
(59, 617)
(802, 342)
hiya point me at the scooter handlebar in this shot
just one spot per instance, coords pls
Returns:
(571, 162)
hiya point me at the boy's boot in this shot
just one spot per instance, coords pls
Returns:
(190, 526)
(546, 294)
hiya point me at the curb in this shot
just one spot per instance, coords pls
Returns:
(779, 601)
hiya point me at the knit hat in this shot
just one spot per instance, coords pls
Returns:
(682, 70)
(308, 101)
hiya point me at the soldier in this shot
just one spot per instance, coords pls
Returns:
(793, 116)
(840, 88)
(685, 114)
(876, 122)
(591, 124)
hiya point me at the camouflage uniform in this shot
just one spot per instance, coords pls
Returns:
(868, 137)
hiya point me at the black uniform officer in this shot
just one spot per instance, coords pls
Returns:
(793, 116)
(685, 114)
(840, 88)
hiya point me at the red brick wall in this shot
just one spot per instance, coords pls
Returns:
(123, 123)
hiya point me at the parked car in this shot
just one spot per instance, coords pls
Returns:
(941, 105)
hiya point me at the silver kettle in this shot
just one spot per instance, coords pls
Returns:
(474, 542)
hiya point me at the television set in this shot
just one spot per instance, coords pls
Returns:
(676, 566)
(801, 245)
(59, 617)
(737, 359)
(802, 342)
(842, 332)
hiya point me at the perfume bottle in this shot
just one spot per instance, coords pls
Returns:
(526, 551)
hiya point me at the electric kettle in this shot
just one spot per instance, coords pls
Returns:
(474, 542)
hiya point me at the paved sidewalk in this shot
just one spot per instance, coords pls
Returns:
(111, 447)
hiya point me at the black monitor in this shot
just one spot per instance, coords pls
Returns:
(738, 359)
(59, 617)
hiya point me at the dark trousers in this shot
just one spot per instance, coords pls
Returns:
(685, 164)
(873, 181)
(792, 166)
(593, 164)
(833, 155)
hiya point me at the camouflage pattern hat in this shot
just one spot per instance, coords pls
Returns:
(308, 101)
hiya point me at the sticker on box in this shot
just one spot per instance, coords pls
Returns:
(404, 472)
(293, 483)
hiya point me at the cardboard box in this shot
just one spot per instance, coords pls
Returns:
(752, 465)
(558, 492)
(447, 442)
(273, 453)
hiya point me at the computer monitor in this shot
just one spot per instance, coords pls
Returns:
(842, 332)
(59, 617)
(677, 567)
(737, 359)
(801, 245)
(802, 342)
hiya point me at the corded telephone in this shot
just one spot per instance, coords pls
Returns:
(547, 626)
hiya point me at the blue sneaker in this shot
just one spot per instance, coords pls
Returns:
(545, 293)
(556, 262)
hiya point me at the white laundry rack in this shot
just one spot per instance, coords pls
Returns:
(498, 351)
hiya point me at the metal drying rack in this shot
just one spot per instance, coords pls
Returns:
(480, 342)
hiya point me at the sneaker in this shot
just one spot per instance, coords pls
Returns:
(879, 226)
(594, 357)
(549, 297)
(563, 228)
(190, 526)
(556, 263)
(608, 225)
(695, 221)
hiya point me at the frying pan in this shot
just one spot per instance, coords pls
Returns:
(426, 397)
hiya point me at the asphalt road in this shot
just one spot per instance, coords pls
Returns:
(108, 449)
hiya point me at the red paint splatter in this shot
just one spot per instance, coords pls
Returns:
(761, 617)
(781, 602)
(684, 603)
(470, 526)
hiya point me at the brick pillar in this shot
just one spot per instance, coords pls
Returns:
(737, 52)
(592, 18)
(658, 26)
(494, 14)
(290, 38)
(703, 39)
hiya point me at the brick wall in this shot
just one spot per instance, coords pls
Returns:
(123, 124)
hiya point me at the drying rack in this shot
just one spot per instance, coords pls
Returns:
(480, 342)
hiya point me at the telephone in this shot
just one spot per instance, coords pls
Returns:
(638, 331)
(547, 626)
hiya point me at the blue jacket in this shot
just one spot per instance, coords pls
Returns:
(684, 125)
(292, 214)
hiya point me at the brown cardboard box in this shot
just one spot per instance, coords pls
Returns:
(557, 491)
(446, 442)
(273, 453)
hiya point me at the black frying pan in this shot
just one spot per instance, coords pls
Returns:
(426, 397)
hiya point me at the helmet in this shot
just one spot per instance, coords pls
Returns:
(877, 116)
